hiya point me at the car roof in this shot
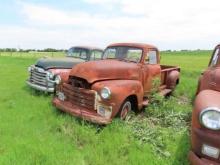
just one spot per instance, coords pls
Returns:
(87, 47)
(137, 45)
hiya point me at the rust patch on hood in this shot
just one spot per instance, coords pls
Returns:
(106, 70)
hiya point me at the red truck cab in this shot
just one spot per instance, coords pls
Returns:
(205, 131)
(100, 90)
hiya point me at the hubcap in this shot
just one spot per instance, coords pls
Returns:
(125, 110)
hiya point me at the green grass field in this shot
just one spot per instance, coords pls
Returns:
(32, 131)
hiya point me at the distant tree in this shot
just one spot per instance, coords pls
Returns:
(31, 50)
(9, 50)
(50, 50)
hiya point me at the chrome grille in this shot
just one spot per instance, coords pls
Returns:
(78, 96)
(38, 76)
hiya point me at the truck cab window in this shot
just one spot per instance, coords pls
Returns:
(83, 55)
(78, 53)
(96, 55)
(215, 58)
(110, 53)
(129, 54)
(151, 57)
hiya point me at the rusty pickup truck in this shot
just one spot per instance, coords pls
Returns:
(98, 91)
(205, 131)
(48, 72)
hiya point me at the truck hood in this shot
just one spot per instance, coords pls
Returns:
(58, 63)
(106, 70)
(211, 79)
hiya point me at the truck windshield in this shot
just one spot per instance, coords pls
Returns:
(78, 53)
(123, 53)
(215, 58)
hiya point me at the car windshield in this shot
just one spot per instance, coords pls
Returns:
(215, 57)
(78, 53)
(123, 53)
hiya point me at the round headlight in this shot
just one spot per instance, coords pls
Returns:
(50, 75)
(57, 79)
(210, 118)
(105, 93)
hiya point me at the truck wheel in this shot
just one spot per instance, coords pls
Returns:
(125, 109)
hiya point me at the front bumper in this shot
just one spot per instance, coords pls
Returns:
(40, 88)
(80, 112)
(195, 160)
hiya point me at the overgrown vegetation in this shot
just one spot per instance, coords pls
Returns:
(32, 131)
(148, 127)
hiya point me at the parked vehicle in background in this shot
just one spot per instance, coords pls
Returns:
(205, 131)
(98, 91)
(47, 72)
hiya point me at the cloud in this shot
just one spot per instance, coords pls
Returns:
(102, 2)
(44, 15)
(168, 24)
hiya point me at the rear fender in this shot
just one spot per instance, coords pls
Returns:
(172, 79)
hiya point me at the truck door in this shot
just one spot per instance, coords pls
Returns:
(151, 69)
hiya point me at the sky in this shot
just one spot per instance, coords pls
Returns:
(167, 24)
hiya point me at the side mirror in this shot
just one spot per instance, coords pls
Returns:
(147, 60)
(203, 71)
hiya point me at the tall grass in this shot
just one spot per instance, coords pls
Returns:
(32, 131)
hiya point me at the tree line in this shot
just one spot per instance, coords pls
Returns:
(31, 50)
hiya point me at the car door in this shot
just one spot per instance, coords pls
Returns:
(151, 69)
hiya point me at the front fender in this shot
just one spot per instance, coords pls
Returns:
(205, 99)
(63, 73)
(199, 134)
(120, 90)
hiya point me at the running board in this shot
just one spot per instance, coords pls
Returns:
(165, 92)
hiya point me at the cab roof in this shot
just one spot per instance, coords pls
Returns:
(88, 47)
(137, 45)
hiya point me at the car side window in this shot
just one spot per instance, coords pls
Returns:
(83, 55)
(215, 57)
(151, 57)
(96, 55)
